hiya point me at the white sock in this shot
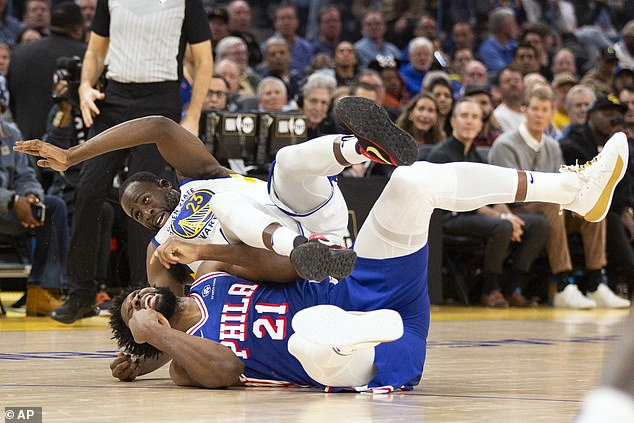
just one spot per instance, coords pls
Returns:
(349, 152)
(282, 240)
(559, 188)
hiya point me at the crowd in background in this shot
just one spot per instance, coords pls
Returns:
(529, 84)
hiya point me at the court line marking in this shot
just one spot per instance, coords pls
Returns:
(303, 391)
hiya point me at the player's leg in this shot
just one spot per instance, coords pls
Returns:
(336, 347)
(299, 183)
(398, 223)
(245, 220)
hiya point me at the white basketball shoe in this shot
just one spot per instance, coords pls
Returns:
(598, 178)
(347, 331)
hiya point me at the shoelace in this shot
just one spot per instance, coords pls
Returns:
(580, 170)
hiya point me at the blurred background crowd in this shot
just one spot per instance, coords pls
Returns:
(531, 84)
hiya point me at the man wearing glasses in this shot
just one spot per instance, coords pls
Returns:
(217, 94)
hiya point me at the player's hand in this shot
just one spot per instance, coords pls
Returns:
(144, 324)
(190, 124)
(53, 157)
(124, 367)
(175, 251)
(22, 209)
(87, 97)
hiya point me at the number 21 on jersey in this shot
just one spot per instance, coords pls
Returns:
(274, 326)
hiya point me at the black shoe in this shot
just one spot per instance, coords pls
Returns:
(21, 303)
(318, 258)
(73, 309)
(379, 139)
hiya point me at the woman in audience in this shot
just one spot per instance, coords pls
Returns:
(420, 119)
(441, 90)
(388, 69)
(28, 35)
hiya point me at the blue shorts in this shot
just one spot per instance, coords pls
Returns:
(399, 284)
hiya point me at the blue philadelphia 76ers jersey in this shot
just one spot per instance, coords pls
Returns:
(254, 320)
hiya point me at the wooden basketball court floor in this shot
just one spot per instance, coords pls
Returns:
(482, 365)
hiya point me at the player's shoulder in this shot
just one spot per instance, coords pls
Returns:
(211, 276)
(230, 180)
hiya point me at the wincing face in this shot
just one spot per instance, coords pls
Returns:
(150, 203)
(158, 299)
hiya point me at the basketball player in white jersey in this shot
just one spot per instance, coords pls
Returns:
(303, 215)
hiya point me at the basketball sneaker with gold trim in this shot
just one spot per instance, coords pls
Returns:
(378, 138)
(598, 179)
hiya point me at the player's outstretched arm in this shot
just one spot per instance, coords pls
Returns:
(195, 361)
(180, 148)
(237, 259)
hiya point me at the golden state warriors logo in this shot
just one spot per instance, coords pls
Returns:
(194, 215)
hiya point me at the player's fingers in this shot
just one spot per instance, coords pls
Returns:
(164, 263)
(163, 321)
(43, 163)
(118, 361)
(173, 256)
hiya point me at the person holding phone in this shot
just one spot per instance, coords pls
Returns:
(25, 211)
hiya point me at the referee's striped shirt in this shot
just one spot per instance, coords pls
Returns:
(148, 37)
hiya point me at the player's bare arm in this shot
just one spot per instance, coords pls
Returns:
(180, 148)
(126, 367)
(238, 259)
(198, 361)
(160, 276)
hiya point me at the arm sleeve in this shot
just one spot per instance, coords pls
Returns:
(195, 28)
(101, 21)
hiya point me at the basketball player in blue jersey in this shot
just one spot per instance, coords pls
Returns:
(367, 331)
(300, 200)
